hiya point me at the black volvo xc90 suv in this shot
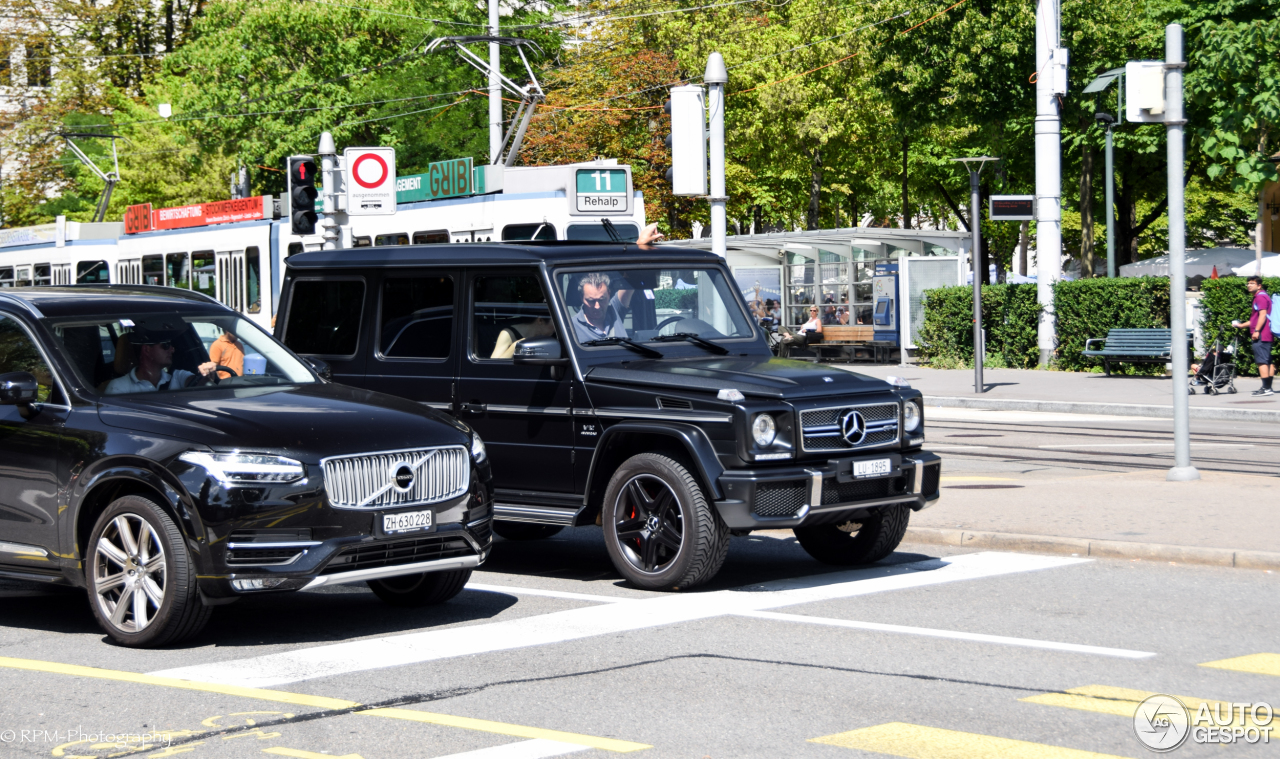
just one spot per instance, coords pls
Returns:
(134, 467)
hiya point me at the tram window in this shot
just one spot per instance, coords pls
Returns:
(93, 272)
(294, 249)
(23, 276)
(361, 242)
(6, 276)
(204, 273)
(542, 231)
(417, 317)
(324, 317)
(178, 270)
(597, 233)
(399, 238)
(153, 270)
(431, 238)
(44, 275)
(253, 280)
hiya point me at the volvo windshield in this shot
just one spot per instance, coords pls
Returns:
(608, 306)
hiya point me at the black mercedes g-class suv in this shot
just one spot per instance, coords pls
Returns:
(625, 386)
(165, 484)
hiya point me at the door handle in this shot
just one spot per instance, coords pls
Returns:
(474, 408)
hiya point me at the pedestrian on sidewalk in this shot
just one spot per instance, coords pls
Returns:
(1260, 330)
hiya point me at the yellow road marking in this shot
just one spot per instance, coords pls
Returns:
(1122, 702)
(502, 728)
(299, 754)
(320, 702)
(920, 742)
(1257, 664)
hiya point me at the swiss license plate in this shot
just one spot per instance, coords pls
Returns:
(409, 521)
(873, 468)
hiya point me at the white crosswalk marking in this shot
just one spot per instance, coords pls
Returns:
(606, 619)
(534, 749)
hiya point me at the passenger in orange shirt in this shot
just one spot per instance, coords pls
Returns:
(228, 351)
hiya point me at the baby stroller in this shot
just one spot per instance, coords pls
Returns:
(1217, 372)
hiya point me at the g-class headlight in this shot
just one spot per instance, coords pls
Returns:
(764, 430)
(478, 451)
(911, 416)
(247, 469)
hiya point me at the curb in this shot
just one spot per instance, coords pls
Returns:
(1105, 409)
(1102, 549)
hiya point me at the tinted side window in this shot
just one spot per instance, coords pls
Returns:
(324, 316)
(508, 309)
(417, 317)
(18, 353)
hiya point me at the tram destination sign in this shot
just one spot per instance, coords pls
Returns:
(1013, 208)
(602, 190)
(143, 218)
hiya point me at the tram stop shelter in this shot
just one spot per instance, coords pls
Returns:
(835, 267)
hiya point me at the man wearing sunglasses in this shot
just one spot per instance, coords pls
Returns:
(600, 315)
(153, 346)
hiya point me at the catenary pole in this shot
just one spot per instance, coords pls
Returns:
(1173, 64)
(1111, 214)
(975, 221)
(716, 76)
(1048, 133)
(495, 88)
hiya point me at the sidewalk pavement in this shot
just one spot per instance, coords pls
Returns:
(1074, 392)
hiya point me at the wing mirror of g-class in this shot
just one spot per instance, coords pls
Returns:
(321, 367)
(541, 351)
(18, 388)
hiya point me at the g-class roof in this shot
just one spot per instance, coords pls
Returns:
(86, 300)
(489, 254)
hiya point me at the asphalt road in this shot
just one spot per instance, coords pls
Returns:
(935, 652)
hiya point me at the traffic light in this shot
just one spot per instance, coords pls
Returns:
(688, 140)
(302, 194)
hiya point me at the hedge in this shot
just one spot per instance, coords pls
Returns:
(683, 300)
(1225, 300)
(1088, 308)
(1010, 314)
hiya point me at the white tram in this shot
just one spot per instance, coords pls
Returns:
(241, 263)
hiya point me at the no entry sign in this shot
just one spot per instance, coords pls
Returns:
(371, 181)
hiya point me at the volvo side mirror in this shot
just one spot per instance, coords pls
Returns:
(18, 388)
(322, 368)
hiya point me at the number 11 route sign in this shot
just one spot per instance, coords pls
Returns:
(602, 190)
(371, 181)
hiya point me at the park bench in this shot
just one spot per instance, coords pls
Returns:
(1132, 346)
(853, 341)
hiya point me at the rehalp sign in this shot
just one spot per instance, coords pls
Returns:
(371, 181)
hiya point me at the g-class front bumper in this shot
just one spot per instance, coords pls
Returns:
(761, 499)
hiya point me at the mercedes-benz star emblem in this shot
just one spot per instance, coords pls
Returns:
(402, 477)
(853, 427)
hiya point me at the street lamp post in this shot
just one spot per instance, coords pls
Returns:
(1107, 119)
(974, 165)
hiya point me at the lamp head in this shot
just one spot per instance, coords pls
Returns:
(1105, 118)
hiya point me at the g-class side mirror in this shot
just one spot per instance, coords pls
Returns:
(322, 368)
(541, 351)
(18, 388)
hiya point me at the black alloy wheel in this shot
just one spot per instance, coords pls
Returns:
(141, 577)
(660, 531)
(422, 589)
(850, 543)
(525, 530)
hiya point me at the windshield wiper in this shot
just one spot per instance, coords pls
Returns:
(693, 338)
(632, 344)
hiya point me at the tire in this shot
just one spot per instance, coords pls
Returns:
(423, 589)
(652, 495)
(525, 530)
(141, 577)
(836, 544)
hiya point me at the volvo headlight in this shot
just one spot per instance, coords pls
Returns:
(240, 469)
(764, 430)
(478, 452)
(911, 416)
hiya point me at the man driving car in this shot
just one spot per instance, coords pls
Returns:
(153, 345)
(600, 316)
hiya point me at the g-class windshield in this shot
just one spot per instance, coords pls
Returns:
(171, 352)
(651, 305)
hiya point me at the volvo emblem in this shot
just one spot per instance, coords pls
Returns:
(853, 427)
(402, 477)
